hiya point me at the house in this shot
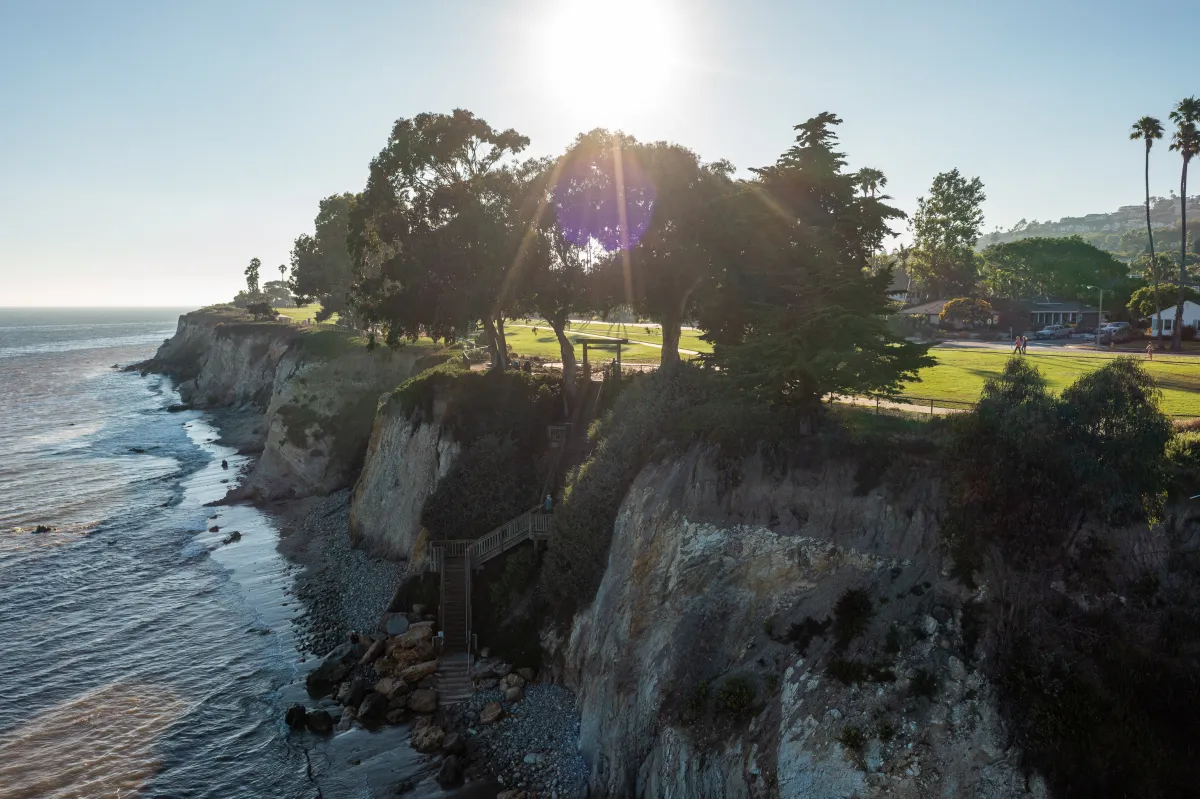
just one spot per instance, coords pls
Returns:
(1046, 311)
(1191, 316)
(926, 313)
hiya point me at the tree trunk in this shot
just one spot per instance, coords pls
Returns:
(670, 342)
(568, 362)
(502, 342)
(1177, 333)
(496, 344)
(1150, 237)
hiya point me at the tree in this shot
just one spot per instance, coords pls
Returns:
(946, 227)
(261, 310)
(871, 180)
(1147, 129)
(967, 311)
(652, 208)
(1186, 142)
(433, 236)
(1156, 269)
(1062, 268)
(797, 314)
(321, 267)
(252, 275)
(1143, 303)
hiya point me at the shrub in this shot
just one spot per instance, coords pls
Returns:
(849, 672)
(696, 699)
(802, 634)
(492, 481)
(736, 695)
(851, 615)
(853, 738)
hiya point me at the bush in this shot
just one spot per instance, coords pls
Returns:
(853, 738)
(261, 310)
(491, 482)
(851, 616)
(849, 672)
(736, 696)
(696, 699)
(801, 635)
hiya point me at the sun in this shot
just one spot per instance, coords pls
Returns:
(609, 57)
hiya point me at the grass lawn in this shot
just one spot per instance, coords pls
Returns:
(304, 312)
(688, 339)
(960, 374)
(543, 344)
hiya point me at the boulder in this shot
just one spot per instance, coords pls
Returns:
(501, 669)
(234, 536)
(526, 674)
(418, 609)
(395, 623)
(451, 772)
(393, 688)
(373, 709)
(416, 635)
(295, 717)
(319, 721)
(419, 672)
(347, 719)
(512, 681)
(385, 667)
(454, 744)
(514, 694)
(423, 701)
(511, 793)
(351, 692)
(491, 713)
(214, 529)
(429, 739)
(395, 715)
(333, 668)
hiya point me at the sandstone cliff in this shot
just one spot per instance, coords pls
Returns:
(709, 663)
(406, 457)
(305, 398)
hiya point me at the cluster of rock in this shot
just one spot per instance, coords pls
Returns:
(380, 678)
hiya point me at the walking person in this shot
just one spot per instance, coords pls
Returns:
(1150, 351)
(549, 504)
(1024, 345)
(1016, 345)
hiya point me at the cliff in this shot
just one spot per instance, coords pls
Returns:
(764, 634)
(407, 456)
(305, 398)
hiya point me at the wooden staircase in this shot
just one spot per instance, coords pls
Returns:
(454, 662)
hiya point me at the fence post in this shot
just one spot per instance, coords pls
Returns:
(931, 407)
(877, 406)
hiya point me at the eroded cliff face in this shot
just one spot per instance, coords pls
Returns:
(306, 399)
(723, 576)
(406, 458)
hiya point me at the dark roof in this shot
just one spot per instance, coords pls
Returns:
(1045, 304)
(934, 307)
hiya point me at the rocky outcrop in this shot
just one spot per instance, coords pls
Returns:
(305, 397)
(406, 458)
(721, 656)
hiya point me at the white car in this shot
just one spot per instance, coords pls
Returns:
(1053, 331)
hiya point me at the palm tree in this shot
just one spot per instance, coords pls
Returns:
(1186, 142)
(871, 180)
(1149, 129)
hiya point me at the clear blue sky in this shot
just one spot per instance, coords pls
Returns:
(149, 149)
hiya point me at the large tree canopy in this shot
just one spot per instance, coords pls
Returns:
(652, 208)
(433, 236)
(321, 267)
(797, 313)
(1062, 268)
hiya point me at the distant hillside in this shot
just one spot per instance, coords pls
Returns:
(1122, 231)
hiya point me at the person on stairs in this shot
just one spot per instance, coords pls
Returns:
(549, 504)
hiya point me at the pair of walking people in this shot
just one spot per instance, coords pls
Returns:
(1020, 344)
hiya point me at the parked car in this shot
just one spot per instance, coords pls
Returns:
(1116, 332)
(1053, 331)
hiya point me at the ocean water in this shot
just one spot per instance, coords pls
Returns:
(141, 657)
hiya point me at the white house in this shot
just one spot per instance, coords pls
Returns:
(1191, 317)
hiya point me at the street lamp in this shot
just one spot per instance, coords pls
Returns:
(1099, 313)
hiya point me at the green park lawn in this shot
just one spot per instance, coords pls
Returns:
(959, 375)
(543, 344)
(303, 312)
